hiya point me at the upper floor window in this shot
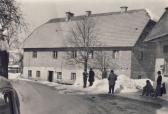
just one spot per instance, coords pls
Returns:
(37, 73)
(55, 54)
(74, 54)
(34, 54)
(115, 54)
(73, 76)
(141, 55)
(91, 54)
(59, 75)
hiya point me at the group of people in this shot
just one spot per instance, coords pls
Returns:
(148, 89)
(111, 78)
(85, 77)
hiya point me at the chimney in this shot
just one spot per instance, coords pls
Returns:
(88, 13)
(123, 9)
(69, 15)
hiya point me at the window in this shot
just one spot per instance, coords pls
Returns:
(91, 54)
(55, 54)
(165, 49)
(37, 73)
(34, 54)
(59, 75)
(73, 76)
(29, 73)
(115, 54)
(74, 54)
(141, 56)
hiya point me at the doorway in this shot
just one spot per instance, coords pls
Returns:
(50, 76)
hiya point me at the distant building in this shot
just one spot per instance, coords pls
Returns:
(159, 37)
(122, 34)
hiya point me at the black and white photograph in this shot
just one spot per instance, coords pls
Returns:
(83, 56)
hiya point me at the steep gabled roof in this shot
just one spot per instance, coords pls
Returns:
(160, 29)
(115, 29)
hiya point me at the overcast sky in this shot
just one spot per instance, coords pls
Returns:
(37, 12)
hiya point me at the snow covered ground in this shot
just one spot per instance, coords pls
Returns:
(123, 85)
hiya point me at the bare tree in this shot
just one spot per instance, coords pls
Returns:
(11, 21)
(103, 61)
(82, 40)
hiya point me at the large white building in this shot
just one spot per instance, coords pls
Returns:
(121, 32)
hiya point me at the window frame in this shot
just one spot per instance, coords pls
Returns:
(91, 54)
(59, 76)
(29, 73)
(34, 54)
(74, 54)
(141, 55)
(115, 54)
(38, 73)
(73, 76)
(55, 54)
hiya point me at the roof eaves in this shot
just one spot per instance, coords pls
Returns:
(156, 37)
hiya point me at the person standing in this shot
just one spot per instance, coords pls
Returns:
(91, 76)
(85, 76)
(112, 79)
(159, 83)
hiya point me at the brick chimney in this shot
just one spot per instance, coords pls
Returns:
(69, 15)
(123, 9)
(88, 13)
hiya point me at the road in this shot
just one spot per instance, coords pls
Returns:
(40, 99)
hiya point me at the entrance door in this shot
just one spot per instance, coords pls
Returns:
(159, 65)
(50, 76)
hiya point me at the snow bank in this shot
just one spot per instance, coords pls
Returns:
(124, 84)
(13, 75)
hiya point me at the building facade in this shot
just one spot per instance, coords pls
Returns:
(159, 37)
(121, 33)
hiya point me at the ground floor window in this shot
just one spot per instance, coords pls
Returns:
(59, 75)
(73, 76)
(29, 73)
(37, 73)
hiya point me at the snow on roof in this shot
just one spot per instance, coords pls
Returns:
(115, 29)
(160, 29)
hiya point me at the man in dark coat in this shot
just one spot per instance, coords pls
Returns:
(159, 82)
(112, 79)
(85, 76)
(91, 76)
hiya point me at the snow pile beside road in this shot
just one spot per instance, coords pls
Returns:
(13, 75)
(124, 84)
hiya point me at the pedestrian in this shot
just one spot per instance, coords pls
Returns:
(85, 76)
(91, 77)
(112, 79)
(148, 89)
(159, 82)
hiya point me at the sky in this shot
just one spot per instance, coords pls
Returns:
(37, 12)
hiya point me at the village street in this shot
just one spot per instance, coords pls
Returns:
(40, 99)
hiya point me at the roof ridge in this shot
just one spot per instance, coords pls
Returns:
(62, 19)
